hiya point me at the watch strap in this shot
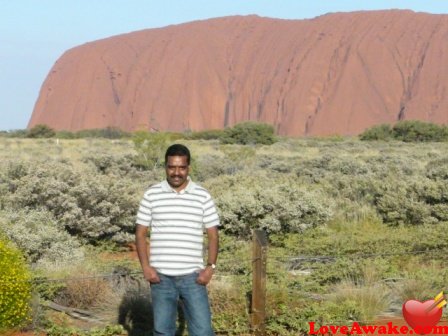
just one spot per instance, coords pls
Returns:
(213, 266)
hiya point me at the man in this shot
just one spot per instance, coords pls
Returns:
(178, 210)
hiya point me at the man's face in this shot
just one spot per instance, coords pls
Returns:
(176, 169)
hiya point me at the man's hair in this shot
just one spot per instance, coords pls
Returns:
(177, 150)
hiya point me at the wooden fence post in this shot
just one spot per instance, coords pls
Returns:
(259, 256)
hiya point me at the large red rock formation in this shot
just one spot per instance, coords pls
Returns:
(334, 74)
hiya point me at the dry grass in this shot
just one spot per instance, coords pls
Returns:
(369, 294)
(85, 292)
(415, 289)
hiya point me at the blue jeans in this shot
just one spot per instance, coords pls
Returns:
(165, 296)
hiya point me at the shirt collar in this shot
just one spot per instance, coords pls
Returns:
(189, 188)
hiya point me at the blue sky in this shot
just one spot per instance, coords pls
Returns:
(34, 34)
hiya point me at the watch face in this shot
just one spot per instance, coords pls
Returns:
(213, 266)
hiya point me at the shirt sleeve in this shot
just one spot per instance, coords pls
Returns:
(211, 217)
(144, 216)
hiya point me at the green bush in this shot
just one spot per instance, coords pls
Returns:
(278, 163)
(40, 237)
(278, 204)
(437, 169)
(102, 208)
(211, 166)
(378, 132)
(15, 291)
(107, 133)
(41, 131)
(88, 205)
(249, 133)
(407, 131)
(120, 165)
(411, 200)
(419, 131)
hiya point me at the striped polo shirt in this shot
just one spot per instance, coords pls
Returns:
(177, 221)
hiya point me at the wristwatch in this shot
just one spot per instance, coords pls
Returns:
(213, 266)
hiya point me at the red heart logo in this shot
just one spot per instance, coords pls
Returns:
(420, 316)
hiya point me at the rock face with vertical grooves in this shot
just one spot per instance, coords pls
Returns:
(335, 74)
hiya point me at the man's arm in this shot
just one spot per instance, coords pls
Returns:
(213, 245)
(149, 273)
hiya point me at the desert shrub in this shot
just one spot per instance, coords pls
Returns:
(43, 185)
(242, 154)
(419, 131)
(15, 290)
(40, 237)
(103, 208)
(411, 201)
(255, 201)
(211, 166)
(112, 164)
(342, 178)
(107, 133)
(387, 164)
(397, 186)
(437, 169)
(204, 135)
(122, 167)
(13, 170)
(408, 131)
(348, 166)
(378, 132)
(278, 163)
(238, 158)
(90, 206)
(249, 133)
(9, 171)
(440, 211)
(150, 148)
(395, 207)
(41, 131)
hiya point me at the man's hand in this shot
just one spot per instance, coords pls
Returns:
(150, 274)
(205, 276)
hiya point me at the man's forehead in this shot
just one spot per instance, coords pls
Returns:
(177, 160)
